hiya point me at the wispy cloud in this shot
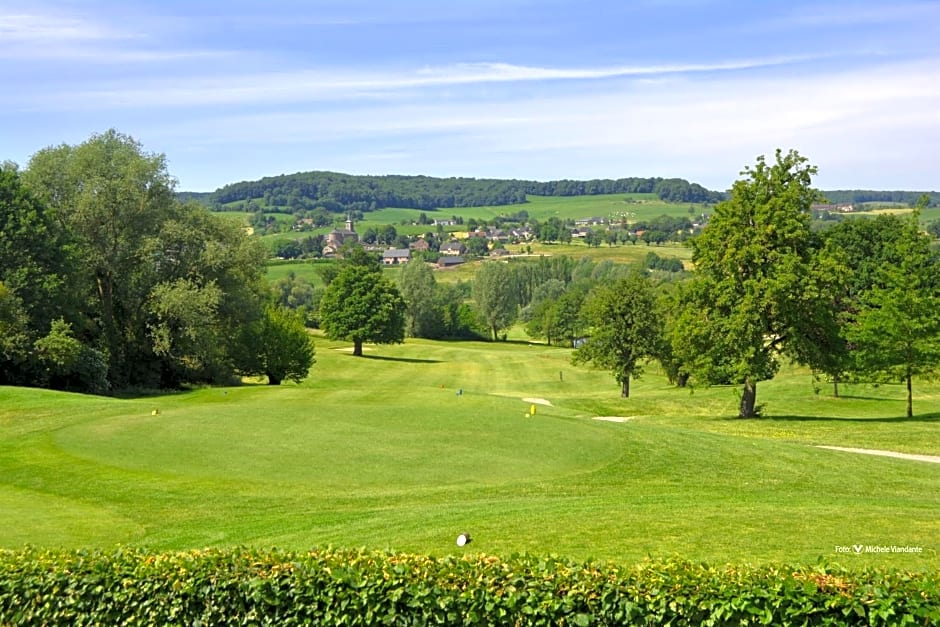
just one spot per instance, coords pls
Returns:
(709, 128)
(462, 89)
(20, 28)
(313, 85)
(52, 37)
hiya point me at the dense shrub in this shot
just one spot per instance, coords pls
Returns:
(358, 587)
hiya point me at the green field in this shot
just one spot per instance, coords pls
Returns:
(632, 207)
(306, 269)
(382, 452)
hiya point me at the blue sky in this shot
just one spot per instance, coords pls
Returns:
(697, 89)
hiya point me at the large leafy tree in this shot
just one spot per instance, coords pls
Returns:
(559, 319)
(165, 287)
(35, 258)
(15, 338)
(893, 325)
(278, 346)
(360, 305)
(419, 289)
(757, 290)
(496, 299)
(864, 250)
(112, 196)
(215, 271)
(625, 328)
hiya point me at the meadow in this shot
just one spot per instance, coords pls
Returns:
(632, 207)
(415, 443)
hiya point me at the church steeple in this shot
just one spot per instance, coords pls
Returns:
(349, 223)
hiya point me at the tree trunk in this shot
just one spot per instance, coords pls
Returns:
(748, 400)
(357, 348)
(273, 379)
(495, 333)
(682, 380)
(625, 387)
(835, 386)
(910, 395)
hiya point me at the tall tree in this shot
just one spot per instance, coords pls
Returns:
(756, 287)
(895, 326)
(419, 289)
(625, 328)
(35, 258)
(493, 293)
(361, 305)
(559, 319)
(278, 346)
(15, 339)
(166, 287)
(112, 196)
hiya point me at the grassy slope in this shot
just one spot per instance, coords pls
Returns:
(382, 452)
(632, 206)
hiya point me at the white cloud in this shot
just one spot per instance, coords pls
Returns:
(713, 107)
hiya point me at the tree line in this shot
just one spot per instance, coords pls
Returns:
(853, 196)
(343, 193)
(859, 301)
(108, 282)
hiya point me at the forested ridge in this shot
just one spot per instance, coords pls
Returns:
(345, 192)
(849, 196)
(338, 192)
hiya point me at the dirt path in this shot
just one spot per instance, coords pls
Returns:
(934, 459)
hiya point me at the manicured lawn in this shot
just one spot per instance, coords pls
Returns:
(383, 452)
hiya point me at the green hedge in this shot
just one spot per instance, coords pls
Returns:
(358, 587)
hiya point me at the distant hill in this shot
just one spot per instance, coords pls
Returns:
(858, 196)
(339, 193)
(336, 192)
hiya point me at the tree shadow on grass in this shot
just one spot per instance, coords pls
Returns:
(930, 417)
(407, 360)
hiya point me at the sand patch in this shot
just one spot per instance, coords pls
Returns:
(933, 459)
(537, 401)
(614, 418)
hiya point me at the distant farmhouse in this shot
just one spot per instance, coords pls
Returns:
(395, 256)
(453, 249)
(421, 246)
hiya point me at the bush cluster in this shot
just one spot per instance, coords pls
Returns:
(360, 587)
